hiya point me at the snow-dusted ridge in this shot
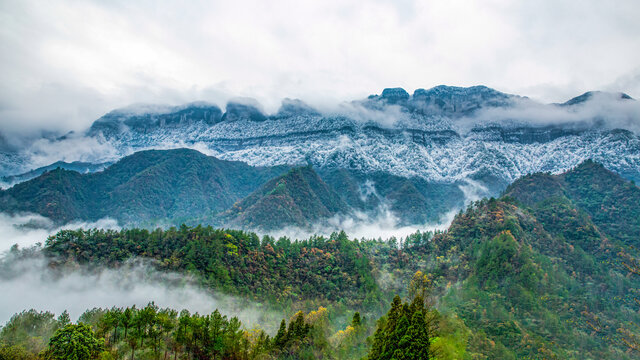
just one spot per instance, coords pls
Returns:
(443, 134)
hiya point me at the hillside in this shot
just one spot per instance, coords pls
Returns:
(81, 167)
(530, 278)
(413, 200)
(186, 186)
(144, 187)
(297, 198)
(611, 202)
(529, 293)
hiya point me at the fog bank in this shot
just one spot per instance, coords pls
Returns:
(29, 282)
(29, 229)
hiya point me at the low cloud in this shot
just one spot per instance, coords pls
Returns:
(72, 148)
(384, 224)
(602, 110)
(30, 283)
(26, 230)
(386, 116)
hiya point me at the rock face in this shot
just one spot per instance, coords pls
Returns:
(149, 119)
(442, 135)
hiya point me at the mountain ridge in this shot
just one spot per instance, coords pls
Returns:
(444, 135)
(146, 186)
(298, 198)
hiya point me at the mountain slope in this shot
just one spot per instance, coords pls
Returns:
(530, 290)
(299, 198)
(146, 186)
(542, 270)
(535, 280)
(443, 134)
(81, 167)
(412, 200)
(612, 203)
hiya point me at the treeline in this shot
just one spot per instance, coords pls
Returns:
(407, 331)
(154, 333)
(333, 269)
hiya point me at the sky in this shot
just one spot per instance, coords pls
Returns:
(65, 63)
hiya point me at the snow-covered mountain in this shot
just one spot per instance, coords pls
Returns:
(443, 134)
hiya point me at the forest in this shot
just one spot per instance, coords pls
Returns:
(547, 271)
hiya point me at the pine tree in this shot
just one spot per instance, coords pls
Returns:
(403, 334)
(418, 332)
(281, 337)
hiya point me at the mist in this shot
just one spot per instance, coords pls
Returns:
(383, 223)
(30, 283)
(360, 225)
(26, 230)
(602, 110)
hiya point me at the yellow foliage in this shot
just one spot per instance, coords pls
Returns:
(317, 315)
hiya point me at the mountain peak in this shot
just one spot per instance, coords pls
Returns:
(292, 107)
(299, 198)
(244, 109)
(147, 117)
(591, 95)
(394, 95)
(457, 91)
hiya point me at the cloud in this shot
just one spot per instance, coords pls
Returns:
(26, 230)
(75, 147)
(603, 110)
(66, 63)
(382, 223)
(29, 283)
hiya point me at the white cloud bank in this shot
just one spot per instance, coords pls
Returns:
(26, 230)
(65, 63)
(28, 282)
(31, 284)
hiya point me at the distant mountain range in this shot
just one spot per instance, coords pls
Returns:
(170, 187)
(419, 155)
(146, 187)
(158, 187)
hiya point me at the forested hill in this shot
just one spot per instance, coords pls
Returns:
(145, 186)
(171, 187)
(611, 202)
(298, 198)
(516, 278)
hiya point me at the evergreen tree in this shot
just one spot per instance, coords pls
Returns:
(403, 334)
(281, 337)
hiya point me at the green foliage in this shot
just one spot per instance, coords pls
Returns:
(521, 288)
(146, 187)
(404, 333)
(154, 333)
(74, 342)
(29, 330)
(547, 271)
(234, 261)
(298, 198)
(15, 353)
(610, 201)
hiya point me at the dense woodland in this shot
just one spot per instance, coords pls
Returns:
(550, 270)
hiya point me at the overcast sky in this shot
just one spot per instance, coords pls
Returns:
(65, 63)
